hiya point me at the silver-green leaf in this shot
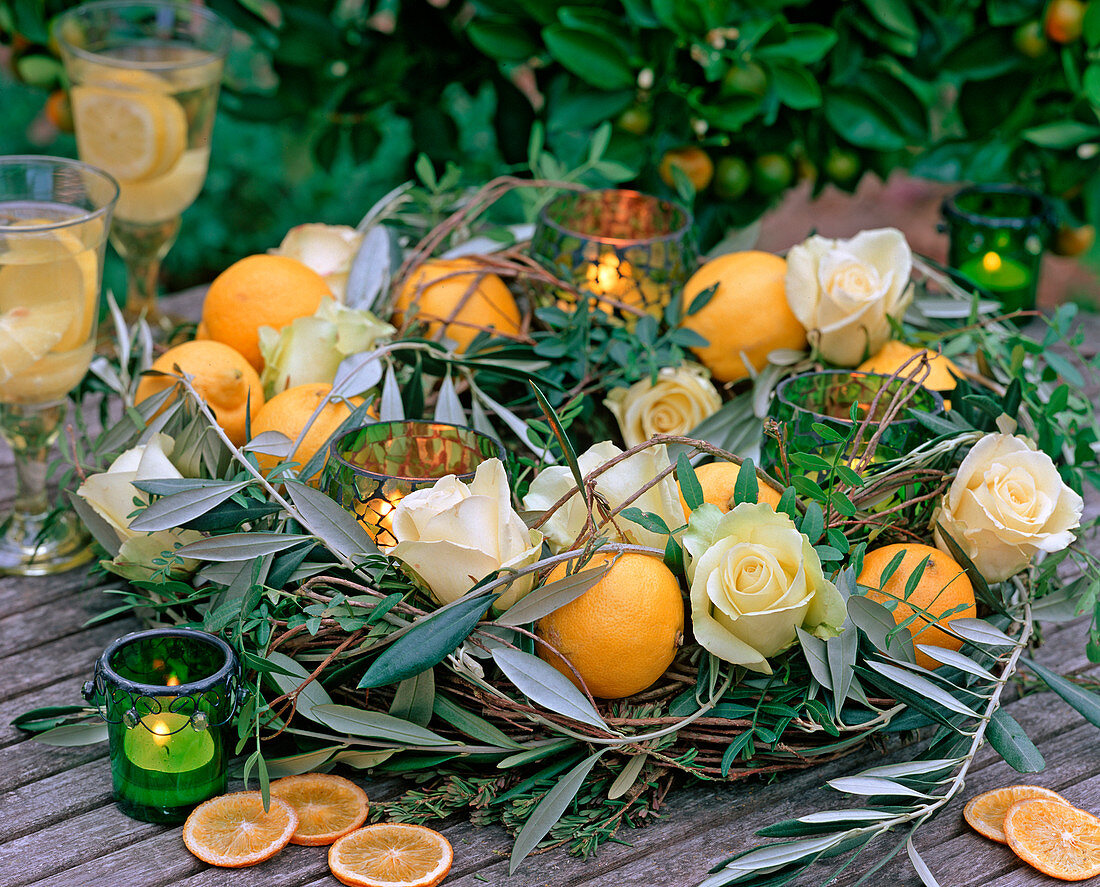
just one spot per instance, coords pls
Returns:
(334, 525)
(546, 686)
(375, 725)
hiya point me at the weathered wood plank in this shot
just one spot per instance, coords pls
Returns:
(29, 762)
(67, 658)
(68, 843)
(29, 627)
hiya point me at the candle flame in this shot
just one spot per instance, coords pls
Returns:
(991, 262)
(160, 732)
(172, 681)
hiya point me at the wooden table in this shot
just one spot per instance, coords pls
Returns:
(59, 827)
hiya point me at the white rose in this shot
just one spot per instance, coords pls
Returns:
(309, 350)
(114, 498)
(755, 579)
(1007, 503)
(844, 291)
(327, 249)
(677, 402)
(616, 485)
(452, 535)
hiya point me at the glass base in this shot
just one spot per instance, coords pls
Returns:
(42, 544)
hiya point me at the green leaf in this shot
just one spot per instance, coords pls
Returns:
(546, 686)
(747, 486)
(873, 785)
(690, 488)
(875, 621)
(858, 119)
(240, 546)
(49, 716)
(1062, 134)
(1012, 743)
(306, 762)
(333, 525)
(923, 687)
(178, 508)
(796, 87)
(550, 810)
(589, 57)
(502, 39)
(68, 735)
(474, 726)
(559, 434)
(290, 677)
(896, 15)
(1081, 700)
(375, 725)
(1091, 26)
(431, 639)
(647, 519)
(980, 632)
(813, 522)
(415, 698)
(547, 598)
(804, 43)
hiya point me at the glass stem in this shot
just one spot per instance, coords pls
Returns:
(143, 247)
(30, 431)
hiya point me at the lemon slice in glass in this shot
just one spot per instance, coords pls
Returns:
(134, 135)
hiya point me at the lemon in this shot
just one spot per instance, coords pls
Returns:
(164, 197)
(27, 334)
(48, 296)
(134, 135)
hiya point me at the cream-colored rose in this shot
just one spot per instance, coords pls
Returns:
(844, 291)
(114, 498)
(327, 249)
(616, 485)
(755, 579)
(452, 535)
(680, 399)
(309, 350)
(1006, 504)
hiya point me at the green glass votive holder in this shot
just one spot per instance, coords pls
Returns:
(166, 694)
(371, 469)
(997, 237)
(826, 399)
(627, 250)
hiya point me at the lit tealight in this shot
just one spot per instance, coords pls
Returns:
(160, 732)
(172, 681)
(991, 262)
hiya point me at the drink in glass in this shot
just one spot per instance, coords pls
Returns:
(54, 217)
(144, 86)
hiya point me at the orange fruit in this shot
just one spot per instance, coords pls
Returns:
(234, 831)
(623, 632)
(719, 479)
(391, 855)
(747, 315)
(1064, 20)
(222, 377)
(985, 813)
(943, 587)
(455, 297)
(327, 806)
(693, 162)
(894, 353)
(290, 410)
(1057, 839)
(259, 291)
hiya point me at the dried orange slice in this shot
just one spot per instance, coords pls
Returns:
(328, 806)
(1057, 839)
(234, 831)
(391, 855)
(986, 812)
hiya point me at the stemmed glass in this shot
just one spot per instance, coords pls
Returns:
(54, 217)
(144, 86)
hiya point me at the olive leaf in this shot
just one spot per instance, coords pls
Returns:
(333, 525)
(178, 508)
(546, 686)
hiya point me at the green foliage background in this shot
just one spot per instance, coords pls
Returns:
(327, 103)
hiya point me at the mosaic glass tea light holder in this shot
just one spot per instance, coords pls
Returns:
(166, 694)
(826, 398)
(370, 469)
(997, 237)
(628, 250)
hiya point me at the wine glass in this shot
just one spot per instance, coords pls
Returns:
(54, 218)
(144, 82)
